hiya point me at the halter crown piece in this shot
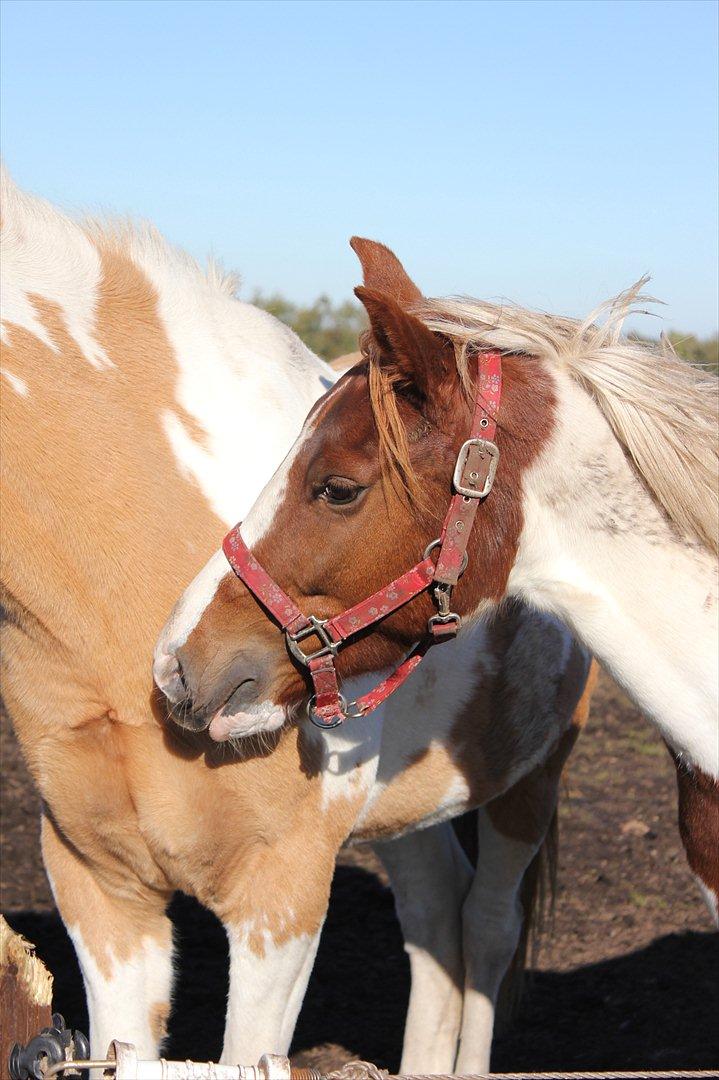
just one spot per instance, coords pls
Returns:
(472, 481)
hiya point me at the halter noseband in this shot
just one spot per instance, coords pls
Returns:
(472, 480)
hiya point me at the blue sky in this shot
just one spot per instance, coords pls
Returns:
(546, 152)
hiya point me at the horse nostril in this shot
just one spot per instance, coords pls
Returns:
(169, 677)
(186, 716)
(245, 694)
(181, 676)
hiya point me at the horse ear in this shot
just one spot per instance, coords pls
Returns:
(423, 358)
(384, 273)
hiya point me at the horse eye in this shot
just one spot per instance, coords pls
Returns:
(339, 491)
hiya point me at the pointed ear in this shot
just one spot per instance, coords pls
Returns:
(424, 359)
(383, 272)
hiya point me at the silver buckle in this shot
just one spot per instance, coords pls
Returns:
(444, 620)
(316, 627)
(444, 616)
(486, 447)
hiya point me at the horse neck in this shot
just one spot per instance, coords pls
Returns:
(596, 551)
(167, 405)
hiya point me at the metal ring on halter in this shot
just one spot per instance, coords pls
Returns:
(349, 712)
(325, 724)
(436, 543)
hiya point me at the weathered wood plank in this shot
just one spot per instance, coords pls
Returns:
(25, 992)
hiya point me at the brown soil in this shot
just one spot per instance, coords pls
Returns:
(629, 977)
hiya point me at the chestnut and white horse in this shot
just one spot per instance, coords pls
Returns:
(603, 514)
(143, 409)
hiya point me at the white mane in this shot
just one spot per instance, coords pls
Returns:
(32, 224)
(661, 408)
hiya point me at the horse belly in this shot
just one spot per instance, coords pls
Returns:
(486, 713)
(430, 790)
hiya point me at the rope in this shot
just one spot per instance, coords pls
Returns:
(358, 1070)
(364, 1070)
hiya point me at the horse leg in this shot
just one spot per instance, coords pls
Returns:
(511, 831)
(273, 927)
(430, 877)
(699, 828)
(123, 943)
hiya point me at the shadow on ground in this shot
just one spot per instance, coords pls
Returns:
(653, 1008)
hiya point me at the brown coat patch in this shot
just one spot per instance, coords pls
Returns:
(699, 823)
(93, 502)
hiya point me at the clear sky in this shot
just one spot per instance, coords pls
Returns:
(549, 152)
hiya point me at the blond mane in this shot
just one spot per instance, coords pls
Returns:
(661, 408)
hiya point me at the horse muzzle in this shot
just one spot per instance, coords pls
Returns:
(228, 703)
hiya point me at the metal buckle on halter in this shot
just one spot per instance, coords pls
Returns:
(445, 620)
(465, 482)
(316, 627)
(444, 617)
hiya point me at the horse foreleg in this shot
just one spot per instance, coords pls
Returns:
(267, 988)
(511, 830)
(430, 876)
(273, 930)
(492, 924)
(123, 944)
(699, 829)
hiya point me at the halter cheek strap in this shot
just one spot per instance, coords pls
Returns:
(472, 481)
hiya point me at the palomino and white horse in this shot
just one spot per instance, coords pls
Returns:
(143, 409)
(603, 514)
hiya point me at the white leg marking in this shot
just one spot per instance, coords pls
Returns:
(266, 994)
(430, 878)
(492, 921)
(710, 899)
(122, 1005)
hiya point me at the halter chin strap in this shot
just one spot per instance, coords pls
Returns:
(472, 480)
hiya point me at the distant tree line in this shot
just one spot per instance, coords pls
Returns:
(331, 330)
(704, 351)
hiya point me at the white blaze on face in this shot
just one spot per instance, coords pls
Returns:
(185, 616)
(265, 715)
(259, 520)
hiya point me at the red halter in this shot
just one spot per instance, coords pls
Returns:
(472, 481)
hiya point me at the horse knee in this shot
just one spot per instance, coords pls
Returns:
(123, 945)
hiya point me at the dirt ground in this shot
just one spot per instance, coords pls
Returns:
(628, 977)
